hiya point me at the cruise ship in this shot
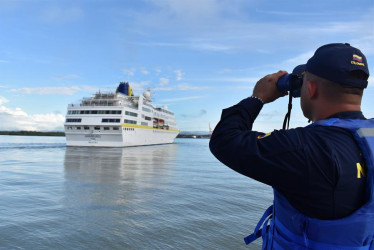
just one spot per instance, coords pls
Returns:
(119, 119)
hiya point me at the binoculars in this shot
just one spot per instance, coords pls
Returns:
(292, 82)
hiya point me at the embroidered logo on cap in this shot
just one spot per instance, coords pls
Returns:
(357, 60)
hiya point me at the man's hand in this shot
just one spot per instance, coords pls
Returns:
(266, 87)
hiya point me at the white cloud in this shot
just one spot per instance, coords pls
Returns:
(178, 74)
(3, 100)
(66, 77)
(55, 14)
(181, 99)
(365, 44)
(199, 25)
(186, 86)
(129, 71)
(371, 81)
(17, 119)
(89, 88)
(48, 90)
(163, 81)
(238, 79)
(144, 71)
(182, 87)
(291, 63)
(139, 86)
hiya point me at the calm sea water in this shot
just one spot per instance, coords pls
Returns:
(175, 196)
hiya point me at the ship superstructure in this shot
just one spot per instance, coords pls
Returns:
(119, 119)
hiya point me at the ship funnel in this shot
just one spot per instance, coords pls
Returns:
(124, 88)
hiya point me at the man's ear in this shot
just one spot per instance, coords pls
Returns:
(312, 89)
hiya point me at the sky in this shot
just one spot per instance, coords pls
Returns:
(197, 56)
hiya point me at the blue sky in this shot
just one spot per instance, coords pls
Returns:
(198, 56)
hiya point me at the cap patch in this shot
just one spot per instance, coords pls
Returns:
(357, 60)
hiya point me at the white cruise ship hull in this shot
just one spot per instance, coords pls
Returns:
(119, 120)
(129, 136)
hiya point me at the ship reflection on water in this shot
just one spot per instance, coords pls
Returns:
(113, 193)
(118, 165)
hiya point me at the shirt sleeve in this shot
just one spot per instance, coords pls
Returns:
(277, 159)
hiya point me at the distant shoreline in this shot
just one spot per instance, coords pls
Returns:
(56, 133)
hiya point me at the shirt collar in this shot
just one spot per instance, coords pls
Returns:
(349, 115)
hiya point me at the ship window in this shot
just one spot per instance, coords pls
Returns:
(78, 128)
(147, 118)
(81, 112)
(86, 128)
(146, 109)
(144, 123)
(94, 112)
(129, 121)
(97, 128)
(131, 113)
(86, 111)
(74, 120)
(111, 120)
(115, 128)
(106, 128)
(107, 111)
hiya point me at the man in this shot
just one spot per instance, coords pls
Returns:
(321, 174)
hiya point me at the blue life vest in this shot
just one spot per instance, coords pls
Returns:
(290, 229)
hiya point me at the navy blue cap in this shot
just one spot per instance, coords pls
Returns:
(336, 61)
(299, 69)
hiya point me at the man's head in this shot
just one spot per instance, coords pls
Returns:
(334, 81)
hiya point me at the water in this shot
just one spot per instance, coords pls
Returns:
(175, 196)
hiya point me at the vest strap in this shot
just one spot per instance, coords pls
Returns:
(258, 230)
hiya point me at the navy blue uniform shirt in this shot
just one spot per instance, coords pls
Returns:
(316, 168)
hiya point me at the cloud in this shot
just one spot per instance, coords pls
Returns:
(182, 87)
(163, 81)
(178, 74)
(365, 44)
(139, 86)
(291, 63)
(48, 90)
(3, 100)
(4, 61)
(129, 71)
(56, 14)
(199, 25)
(371, 81)
(186, 86)
(194, 44)
(289, 13)
(66, 77)
(209, 45)
(238, 79)
(200, 114)
(144, 71)
(17, 119)
(180, 99)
